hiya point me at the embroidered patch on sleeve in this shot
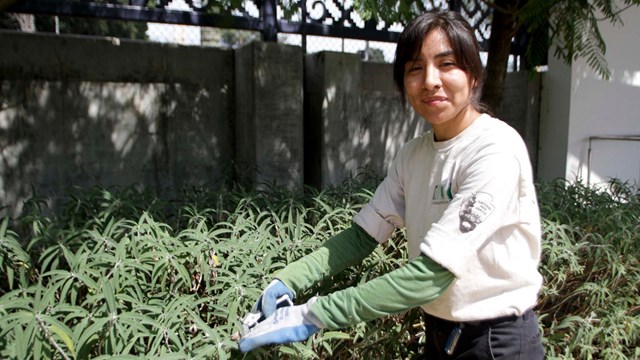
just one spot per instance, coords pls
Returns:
(475, 209)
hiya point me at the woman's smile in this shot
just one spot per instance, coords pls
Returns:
(434, 100)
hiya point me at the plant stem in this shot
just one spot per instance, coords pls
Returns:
(43, 327)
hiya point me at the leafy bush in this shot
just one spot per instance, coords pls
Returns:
(122, 273)
(590, 304)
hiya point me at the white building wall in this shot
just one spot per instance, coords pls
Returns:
(577, 105)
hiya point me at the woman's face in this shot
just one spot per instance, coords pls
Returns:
(438, 89)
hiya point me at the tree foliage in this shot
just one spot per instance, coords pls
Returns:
(574, 27)
(568, 27)
(99, 27)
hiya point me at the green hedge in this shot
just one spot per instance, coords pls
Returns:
(120, 273)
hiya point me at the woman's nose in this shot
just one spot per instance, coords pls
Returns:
(432, 78)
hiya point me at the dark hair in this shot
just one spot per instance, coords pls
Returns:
(463, 42)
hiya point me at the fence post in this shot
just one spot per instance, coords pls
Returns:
(269, 20)
(269, 114)
(455, 5)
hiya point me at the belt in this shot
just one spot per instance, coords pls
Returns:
(492, 322)
(476, 323)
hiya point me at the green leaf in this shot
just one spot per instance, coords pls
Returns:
(120, 357)
(65, 334)
(91, 334)
(14, 321)
(329, 335)
(109, 297)
(569, 322)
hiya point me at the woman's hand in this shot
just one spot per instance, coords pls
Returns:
(287, 324)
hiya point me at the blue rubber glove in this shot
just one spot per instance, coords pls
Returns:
(267, 302)
(287, 324)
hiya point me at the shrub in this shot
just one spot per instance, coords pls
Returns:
(120, 272)
(590, 303)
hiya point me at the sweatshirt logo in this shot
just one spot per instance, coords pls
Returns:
(442, 193)
(475, 209)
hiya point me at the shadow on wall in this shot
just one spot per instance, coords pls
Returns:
(56, 135)
(357, 111)
(392, 131)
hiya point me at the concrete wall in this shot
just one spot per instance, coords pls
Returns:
(79, 111)
(578, 104)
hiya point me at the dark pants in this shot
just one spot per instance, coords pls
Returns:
(508, 338)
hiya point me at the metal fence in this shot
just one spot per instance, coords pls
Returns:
(315, 25)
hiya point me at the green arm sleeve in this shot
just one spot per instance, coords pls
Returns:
(347, 248)
(418, 282)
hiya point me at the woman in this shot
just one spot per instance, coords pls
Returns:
(464, 192)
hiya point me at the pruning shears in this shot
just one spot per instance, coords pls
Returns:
(256, 316)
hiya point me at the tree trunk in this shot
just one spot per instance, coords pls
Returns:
(14, 21)
(503, 28)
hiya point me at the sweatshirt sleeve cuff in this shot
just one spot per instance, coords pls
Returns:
(373, 224)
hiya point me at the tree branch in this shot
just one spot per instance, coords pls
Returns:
(504, 10)
(617, 12)
(513, 11)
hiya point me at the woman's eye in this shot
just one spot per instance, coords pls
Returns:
(448, 64)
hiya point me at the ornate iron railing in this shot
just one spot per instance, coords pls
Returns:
(334, 18)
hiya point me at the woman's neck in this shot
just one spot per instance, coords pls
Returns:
(450, 129)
